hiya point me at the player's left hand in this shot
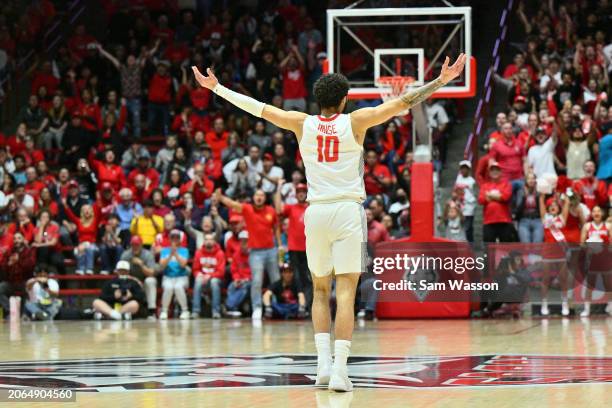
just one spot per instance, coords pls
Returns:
(452, 72)
(209, 81)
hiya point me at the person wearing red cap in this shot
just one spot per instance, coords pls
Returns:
(143, 267)
(495, 196)
(296, 242)
(263, 227)
(231, 240)
(270, 175)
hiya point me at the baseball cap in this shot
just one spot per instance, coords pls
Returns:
(136, 240)
(107, 186)
(73, 184)
(466, 163)
(144, 156)
(215, 35)
(125, 265)
(244, 234)
(268, 156)
(540, 129)
(301, 187)
(493, 163)
(321, 55)
(520, 98)
(235, 219)
(175, 233)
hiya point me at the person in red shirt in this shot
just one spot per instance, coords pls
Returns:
(47, 203)
(510, 155)
(232, 242)
(140, 192)
(30, 153)
(262, 224)
(22, 225)
(512, 70)
(296, 238)
(208, 272)
(45, 176)
(213, 168)
(241, 276)
(376, 231)
(495, 196)
(77, 44)
(217, 138)
(45, 78)
(33, 185)
(16, 143)
(89, 111)
(87, 230)
(144, 168)
(294, 81)
(46, 241)
(200, 186)
(591, 190)
(106, 201)
(186, 124)
(108, 171)
(160, 96)
(377, 176)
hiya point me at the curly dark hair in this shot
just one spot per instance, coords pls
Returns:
(330, 89)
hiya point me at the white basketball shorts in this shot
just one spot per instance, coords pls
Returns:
(336, 234)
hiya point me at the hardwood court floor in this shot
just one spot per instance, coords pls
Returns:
(514, 363)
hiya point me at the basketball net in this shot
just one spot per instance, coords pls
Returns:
(392, 87)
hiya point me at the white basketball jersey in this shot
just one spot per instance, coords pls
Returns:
(333, 159)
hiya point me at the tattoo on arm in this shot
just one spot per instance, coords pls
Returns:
(421, 93)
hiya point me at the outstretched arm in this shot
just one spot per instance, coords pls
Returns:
(289, 120)
(365, 118)
(108, 56)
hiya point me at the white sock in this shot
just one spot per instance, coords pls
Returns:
(322, 343)
(115, 315)
(342, 349)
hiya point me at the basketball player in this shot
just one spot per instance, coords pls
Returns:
(331, 145)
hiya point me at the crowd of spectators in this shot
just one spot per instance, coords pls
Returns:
(546, 171)
(219, 207)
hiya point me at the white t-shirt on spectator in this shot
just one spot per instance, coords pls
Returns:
(541, 158)
(469, 199)
(254, 168)
(268, 186)
(3, 200)
(436, 115)
(546, 79)
(37, 293)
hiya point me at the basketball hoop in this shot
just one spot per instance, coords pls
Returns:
(393, 87)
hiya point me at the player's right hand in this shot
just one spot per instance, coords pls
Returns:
(209, 81)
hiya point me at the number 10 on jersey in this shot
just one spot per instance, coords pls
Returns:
(327, 147)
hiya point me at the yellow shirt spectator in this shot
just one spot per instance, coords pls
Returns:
(147, 227)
